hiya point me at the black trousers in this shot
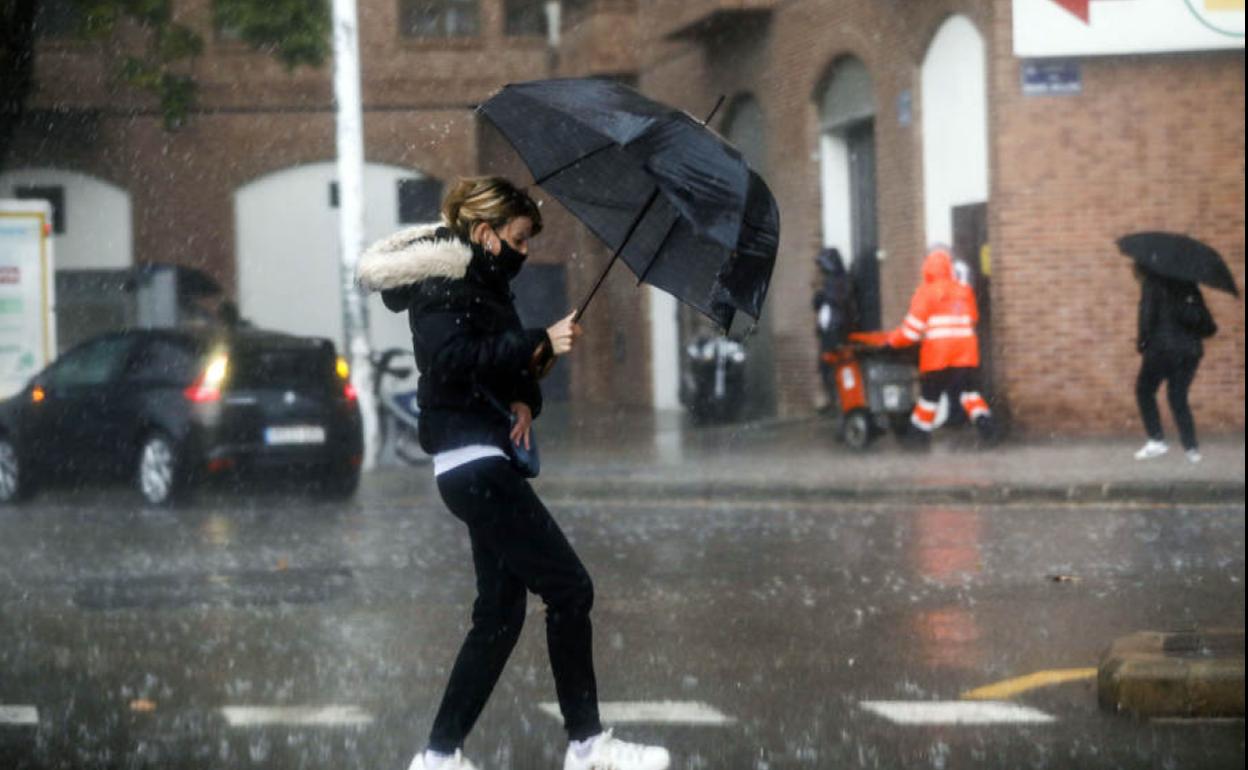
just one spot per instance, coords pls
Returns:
(1177, 371)
(516, 547)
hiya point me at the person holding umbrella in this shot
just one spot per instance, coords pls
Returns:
(1173, 322)
(452, 279)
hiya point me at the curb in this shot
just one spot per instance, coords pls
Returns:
(1190, 674)
(1172, 493)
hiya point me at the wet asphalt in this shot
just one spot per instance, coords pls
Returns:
(125, 631)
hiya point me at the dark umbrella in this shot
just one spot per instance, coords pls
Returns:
(1180, 257)
(664, 192)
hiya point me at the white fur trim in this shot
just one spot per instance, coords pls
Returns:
(411, 256)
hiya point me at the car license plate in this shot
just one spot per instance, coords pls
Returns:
(892, 397)
(286, 435)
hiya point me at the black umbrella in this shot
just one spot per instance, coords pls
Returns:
(664, 192)
(1180, 257)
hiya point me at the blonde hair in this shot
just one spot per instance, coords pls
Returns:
(490, 199)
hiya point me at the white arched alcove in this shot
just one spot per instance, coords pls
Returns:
(96, 215)
(955, 125)
(846, 101)
(286, 226)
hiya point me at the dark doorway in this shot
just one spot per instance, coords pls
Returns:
(541, 297)
(970, 246)
(860, 138)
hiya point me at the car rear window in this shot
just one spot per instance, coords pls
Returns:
(275, 367)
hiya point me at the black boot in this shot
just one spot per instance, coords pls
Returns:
(989, 436)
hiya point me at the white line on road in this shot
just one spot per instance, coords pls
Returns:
(955, 712)
(653, 712)
(22, 716)
(296, 716)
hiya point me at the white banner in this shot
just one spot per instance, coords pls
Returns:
(27, 325)
(1106, 27)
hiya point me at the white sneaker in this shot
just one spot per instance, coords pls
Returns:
(454, 762)
(1152, 449)
(609, 753)
(1194, 456)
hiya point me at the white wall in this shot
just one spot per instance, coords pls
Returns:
(837, 212)
(955, 125)
(665, 358)
(287, 251)
(97, 214)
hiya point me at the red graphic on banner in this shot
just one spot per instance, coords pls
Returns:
(1079, 8)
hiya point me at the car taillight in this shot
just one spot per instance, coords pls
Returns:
(208, 386)
(349, 392)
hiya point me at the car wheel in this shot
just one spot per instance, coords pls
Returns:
(857, 432)
(15, 485)
(157, 472)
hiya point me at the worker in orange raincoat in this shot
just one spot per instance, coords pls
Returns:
(942, 318)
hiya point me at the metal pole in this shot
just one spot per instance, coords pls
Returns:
(350, 143)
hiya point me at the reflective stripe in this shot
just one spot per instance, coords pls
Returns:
(974, 404)
(945, 334)
(914, 322)
(930, 406)
(911, 334)
(950, 320)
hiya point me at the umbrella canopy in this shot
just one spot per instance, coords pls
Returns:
(1180, 257)
(671, 198)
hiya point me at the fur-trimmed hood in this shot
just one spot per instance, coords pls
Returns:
(412, 256)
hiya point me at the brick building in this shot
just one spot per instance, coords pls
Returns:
(881, 126)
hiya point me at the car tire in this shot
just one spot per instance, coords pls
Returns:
(858, 431)
(341, 483)
(158, 472)
(15, 482)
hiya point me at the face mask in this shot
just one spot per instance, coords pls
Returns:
(508, 260)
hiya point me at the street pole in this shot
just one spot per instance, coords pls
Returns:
(350, 141)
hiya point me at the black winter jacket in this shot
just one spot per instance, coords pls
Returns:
(1162, 331)
(473, 354)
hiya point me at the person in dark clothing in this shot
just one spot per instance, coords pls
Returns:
(835, 312)
(1173, 319)
(452, 279)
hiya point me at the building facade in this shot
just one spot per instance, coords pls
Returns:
(881, 126)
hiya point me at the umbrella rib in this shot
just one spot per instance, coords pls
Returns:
(658, 249)
(570, 164)
(580, 311)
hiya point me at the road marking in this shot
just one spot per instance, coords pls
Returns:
(22, 716)
(1009, 688)
(956, 712)
(653, 712)
(296, 716)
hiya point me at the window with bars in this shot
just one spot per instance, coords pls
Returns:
(525, 18)
(440, 18)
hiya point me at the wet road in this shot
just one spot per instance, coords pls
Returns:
(273, 631)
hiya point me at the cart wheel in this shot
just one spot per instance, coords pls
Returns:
(857, 431)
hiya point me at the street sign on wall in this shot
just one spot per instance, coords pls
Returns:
(27, 324)
(1045, 28)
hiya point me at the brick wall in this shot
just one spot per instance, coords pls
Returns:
(1153, 142)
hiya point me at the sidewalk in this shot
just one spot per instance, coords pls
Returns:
(627, 453)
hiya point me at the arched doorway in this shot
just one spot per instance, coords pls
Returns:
(955, 165)
(92, 217)
(848, 179)
(955, 126)
(286, 230)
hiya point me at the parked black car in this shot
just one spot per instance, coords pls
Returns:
(171, 408)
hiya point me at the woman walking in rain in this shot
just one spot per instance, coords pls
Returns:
(1172, 322)
(452, 279)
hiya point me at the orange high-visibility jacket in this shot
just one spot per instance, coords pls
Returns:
(943, 314)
